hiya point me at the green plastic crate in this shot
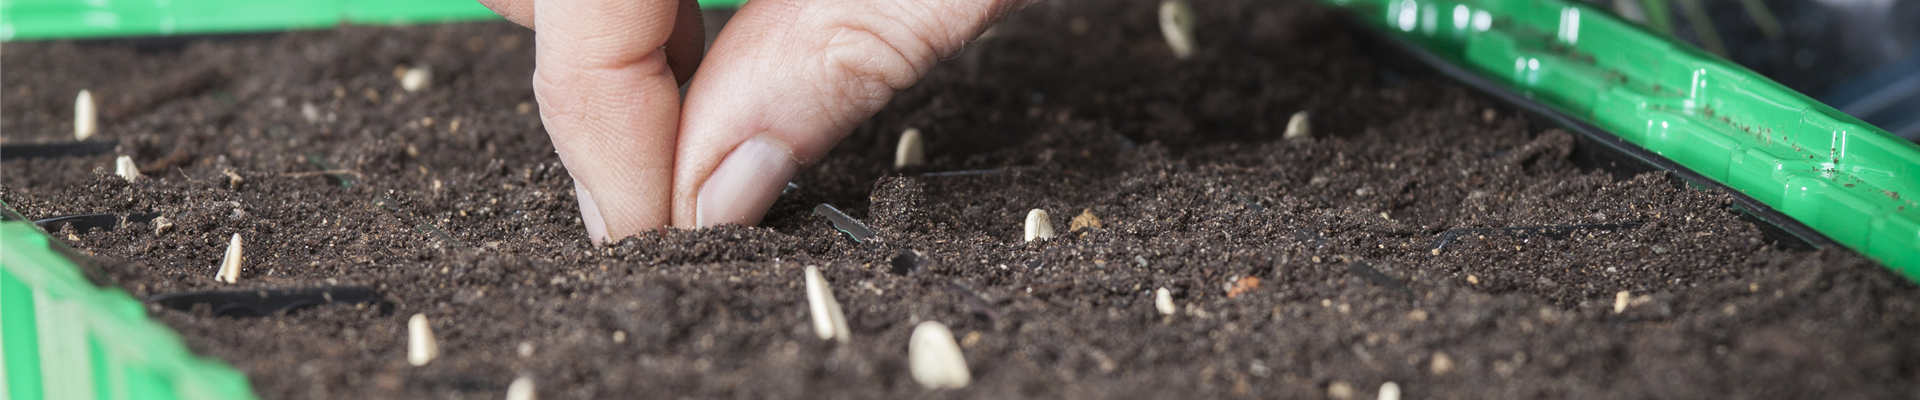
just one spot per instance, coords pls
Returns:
(66, 336)
(1848, 180)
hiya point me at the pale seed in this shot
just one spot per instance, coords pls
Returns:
(85, 119)
(1176, 23)
(1389, 391)
(416, 78)
(230, 265)
(126, 169)
(1298, 127)
(935, 360)
(1038, 225)
(912, 151)
(1621, 301)
(421, 346)
(829, 321)
(521, 389)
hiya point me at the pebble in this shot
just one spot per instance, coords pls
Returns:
(421, 346)
(619, 337)
(1621, 301)
(416, 78)
(525, 349)
(126, 169)
(1473, 279)
(935, 360)
(230, 264)
(1085, 220)
(1298, 127)
(309, 112)
(912, 151)
(1038, 225)
(1340, 390)
(86, 121)
(1242, 286)
(1389, 391)
(1441, 364)
(829, 322)
(1176, 23)
(161, 225)
(521, 389)
(1163, 300)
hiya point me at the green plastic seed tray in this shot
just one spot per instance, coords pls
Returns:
(56, 19)
(70, 336)
(1847, 180)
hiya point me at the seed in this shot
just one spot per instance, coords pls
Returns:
(1389, 391)
(1621, 300)
(619, 337)
(1340, 390)
(85, 120)
(934, 358)
(230, 265)
(1085, 220)
(421, 347)
(416, 78)
(1163, 300)
(828, 319)
(1298, 127)
(525, 349)
(521, 389)
(1038, 226)
(912, 151)
(125, 168)
(1176, 23)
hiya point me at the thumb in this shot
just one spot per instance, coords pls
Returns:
(787, 79)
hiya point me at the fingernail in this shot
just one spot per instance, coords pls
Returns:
(590, 214)
(745, 184)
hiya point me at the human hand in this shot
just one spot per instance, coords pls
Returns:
(783, 83)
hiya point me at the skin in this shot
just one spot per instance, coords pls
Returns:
(783, 83)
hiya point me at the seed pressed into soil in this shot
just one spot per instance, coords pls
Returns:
(450, 204)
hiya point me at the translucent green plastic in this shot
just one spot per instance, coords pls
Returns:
(50, 19)
(1850, 181)
(66, 338)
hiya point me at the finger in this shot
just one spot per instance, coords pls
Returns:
(610, 104)
(518, 11)
(785, 81)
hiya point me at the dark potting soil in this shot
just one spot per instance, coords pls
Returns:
(454, 206)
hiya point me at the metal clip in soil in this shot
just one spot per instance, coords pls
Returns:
(266, 302)
(852, 227)
(1452, 237)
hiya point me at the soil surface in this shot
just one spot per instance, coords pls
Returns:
(1300, 268)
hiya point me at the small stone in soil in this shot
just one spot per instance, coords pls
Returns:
(1176, 23)
(162, 225)
(1340, 390)
(1085, 220)
(934, 358)
(829, 322)
(126, 169)
(907, 261)
(521, 389)
(416, 78)
(1621, 300)
(86, 121)
(1441, 364)
(1039, 226)
(421, 346)
(525, 349)
(230, 264)
(1163, 300)
(1242, 286)
(912, 150)
(1299, 127)
(1389, 391)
